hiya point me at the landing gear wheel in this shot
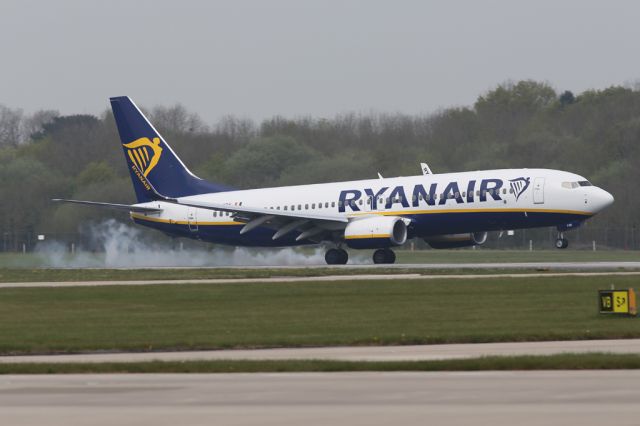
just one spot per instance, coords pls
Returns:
(336, 257)
(562, 243)
(384, 256)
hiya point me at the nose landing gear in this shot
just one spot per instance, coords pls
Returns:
(561, 242)
(384, 256)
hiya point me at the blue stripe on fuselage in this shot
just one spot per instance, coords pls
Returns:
(422, 225)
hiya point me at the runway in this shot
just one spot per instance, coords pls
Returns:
(496, 398)
(320, 278)
(353, 353)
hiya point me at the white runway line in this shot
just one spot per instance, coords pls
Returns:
(325, 278)
(354, 353)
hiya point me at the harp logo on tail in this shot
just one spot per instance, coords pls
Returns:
(144, 154)
(518, 186)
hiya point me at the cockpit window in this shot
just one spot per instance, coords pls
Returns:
(573, 185)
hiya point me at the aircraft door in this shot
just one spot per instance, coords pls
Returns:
(538, 190)
(192, 219)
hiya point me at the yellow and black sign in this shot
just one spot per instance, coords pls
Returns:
(621, 302)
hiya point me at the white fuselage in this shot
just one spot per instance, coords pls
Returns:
(436, 203)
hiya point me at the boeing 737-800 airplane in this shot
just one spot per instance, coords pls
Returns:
(446, 210)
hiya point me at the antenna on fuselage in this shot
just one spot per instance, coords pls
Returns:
(425, 169)
(380, 176)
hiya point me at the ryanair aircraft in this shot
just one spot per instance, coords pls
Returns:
(446, 210)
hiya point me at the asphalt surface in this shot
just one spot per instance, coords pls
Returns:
(353, 353)
(470, 398)
(324, 278)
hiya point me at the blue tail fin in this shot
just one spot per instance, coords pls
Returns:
(151, 160)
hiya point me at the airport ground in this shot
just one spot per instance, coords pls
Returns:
(475, 329)
(424, 257)
(283, 313)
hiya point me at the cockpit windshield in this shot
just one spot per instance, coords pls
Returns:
(573, 185)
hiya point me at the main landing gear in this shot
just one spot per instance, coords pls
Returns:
(384, 256)
(336, 256)
(561, 242)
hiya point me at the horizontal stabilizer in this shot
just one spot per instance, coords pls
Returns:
(127, 207)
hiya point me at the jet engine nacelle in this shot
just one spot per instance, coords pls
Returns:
(457, 240)
(376, 232)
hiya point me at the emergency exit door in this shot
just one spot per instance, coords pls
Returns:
(538, 190)
(192, 219)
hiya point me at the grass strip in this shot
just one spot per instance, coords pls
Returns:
(591, 361)
(340, 313)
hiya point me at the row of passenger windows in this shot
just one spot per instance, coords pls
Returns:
(381, 201)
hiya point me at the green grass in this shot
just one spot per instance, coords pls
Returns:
(594, 361)
(181, 317)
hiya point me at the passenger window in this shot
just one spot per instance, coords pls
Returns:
(285, 207)
(360, 202)
(293, 208)
(319, 205)
(326, 205)
(333, 204)
(478, 193)
(299, 206)
(339, 203)
(313, 206)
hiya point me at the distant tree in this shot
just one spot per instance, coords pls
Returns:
(263, 161)
(10, 125)
(176, 119)
(34, 124)
(567, 98)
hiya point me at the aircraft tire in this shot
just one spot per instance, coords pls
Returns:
(562, 243)
(336, 257)
(384, 256)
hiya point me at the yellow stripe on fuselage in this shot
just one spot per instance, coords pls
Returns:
(488, 210)
(181, 222)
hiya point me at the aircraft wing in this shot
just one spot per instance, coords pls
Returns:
(127, 207)
(309, 225)
(186, 201)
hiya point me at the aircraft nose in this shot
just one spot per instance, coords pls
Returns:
(603, 199)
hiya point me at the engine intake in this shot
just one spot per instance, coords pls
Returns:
(457, 240)
(376, 232)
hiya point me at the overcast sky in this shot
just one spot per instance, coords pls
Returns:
(293, 57)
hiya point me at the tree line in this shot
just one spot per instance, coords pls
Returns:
(595, 133)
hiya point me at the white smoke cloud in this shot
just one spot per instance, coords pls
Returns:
(127, 246)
